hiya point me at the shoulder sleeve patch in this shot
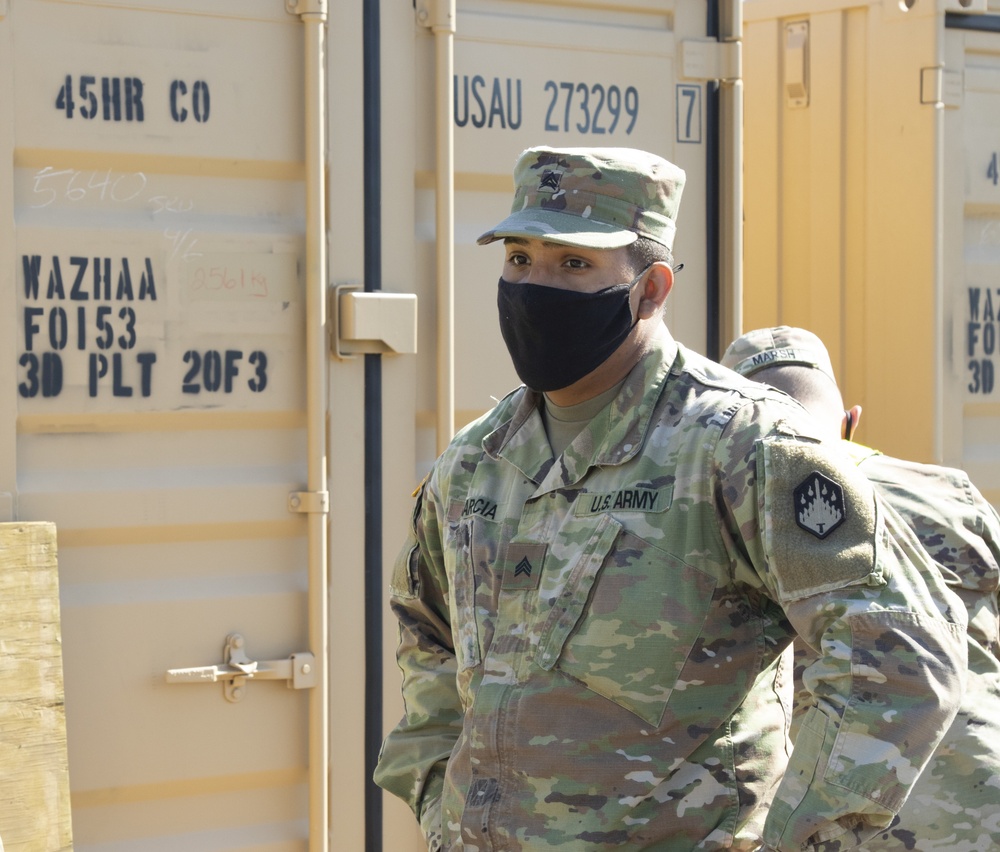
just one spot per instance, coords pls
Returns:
(818, 516)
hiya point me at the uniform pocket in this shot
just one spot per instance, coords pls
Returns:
(464, 625)
(627, 620)
(476, 542)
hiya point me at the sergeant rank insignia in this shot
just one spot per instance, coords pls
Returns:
(819, 505)
(550, 180)
(523, 566)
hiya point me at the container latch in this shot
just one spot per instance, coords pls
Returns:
(299, 670)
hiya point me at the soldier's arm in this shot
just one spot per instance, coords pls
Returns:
(990, 533)
(414, 755)
(857, 587)
(990, 518)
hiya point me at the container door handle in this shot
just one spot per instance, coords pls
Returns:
(299, 670)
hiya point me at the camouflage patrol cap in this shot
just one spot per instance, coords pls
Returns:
(598, 198)
(774, 347)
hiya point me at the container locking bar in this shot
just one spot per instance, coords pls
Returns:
(299, 670)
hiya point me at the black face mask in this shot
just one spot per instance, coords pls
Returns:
(556, 336)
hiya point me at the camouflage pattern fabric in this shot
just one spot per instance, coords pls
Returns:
(781, 345)
(594, 197)
(955, 804)
(595, 648)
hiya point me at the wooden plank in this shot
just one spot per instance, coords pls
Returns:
(34, 768)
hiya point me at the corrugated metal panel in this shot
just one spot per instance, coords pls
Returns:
(972, 253)
(152, 194)
(871, 210)
(532, 73)
(157, 236)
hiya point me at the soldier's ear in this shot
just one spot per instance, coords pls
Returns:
(658, 283)
(849, 425)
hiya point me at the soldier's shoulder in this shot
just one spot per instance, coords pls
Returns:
(711, 389)
(701, 370)
(468, 440)
(935, 481)
(931, 490)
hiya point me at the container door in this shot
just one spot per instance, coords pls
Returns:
(151, 177)
(578, 75)
(638, 74)
(843, 218)
(971, 298)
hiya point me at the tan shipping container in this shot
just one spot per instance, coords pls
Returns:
(873, 210)
(217, 221)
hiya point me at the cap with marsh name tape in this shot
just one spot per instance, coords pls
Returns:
(779, 346)
(601, 198)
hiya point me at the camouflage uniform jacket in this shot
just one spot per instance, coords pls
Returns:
(591, 646)
(956, 801)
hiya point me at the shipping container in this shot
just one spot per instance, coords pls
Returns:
(872, 132)
(245, 312)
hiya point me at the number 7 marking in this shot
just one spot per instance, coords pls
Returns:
(689, 114)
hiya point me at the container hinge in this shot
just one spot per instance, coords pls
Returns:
(941, 87)
(309, 502)
(299, 670)
(313, 8)
(372, 322)
(711, 60)
(436, 15)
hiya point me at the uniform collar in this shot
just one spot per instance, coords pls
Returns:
(605, 441)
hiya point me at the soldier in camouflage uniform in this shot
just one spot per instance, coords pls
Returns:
(604, 575)
(955, 804)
